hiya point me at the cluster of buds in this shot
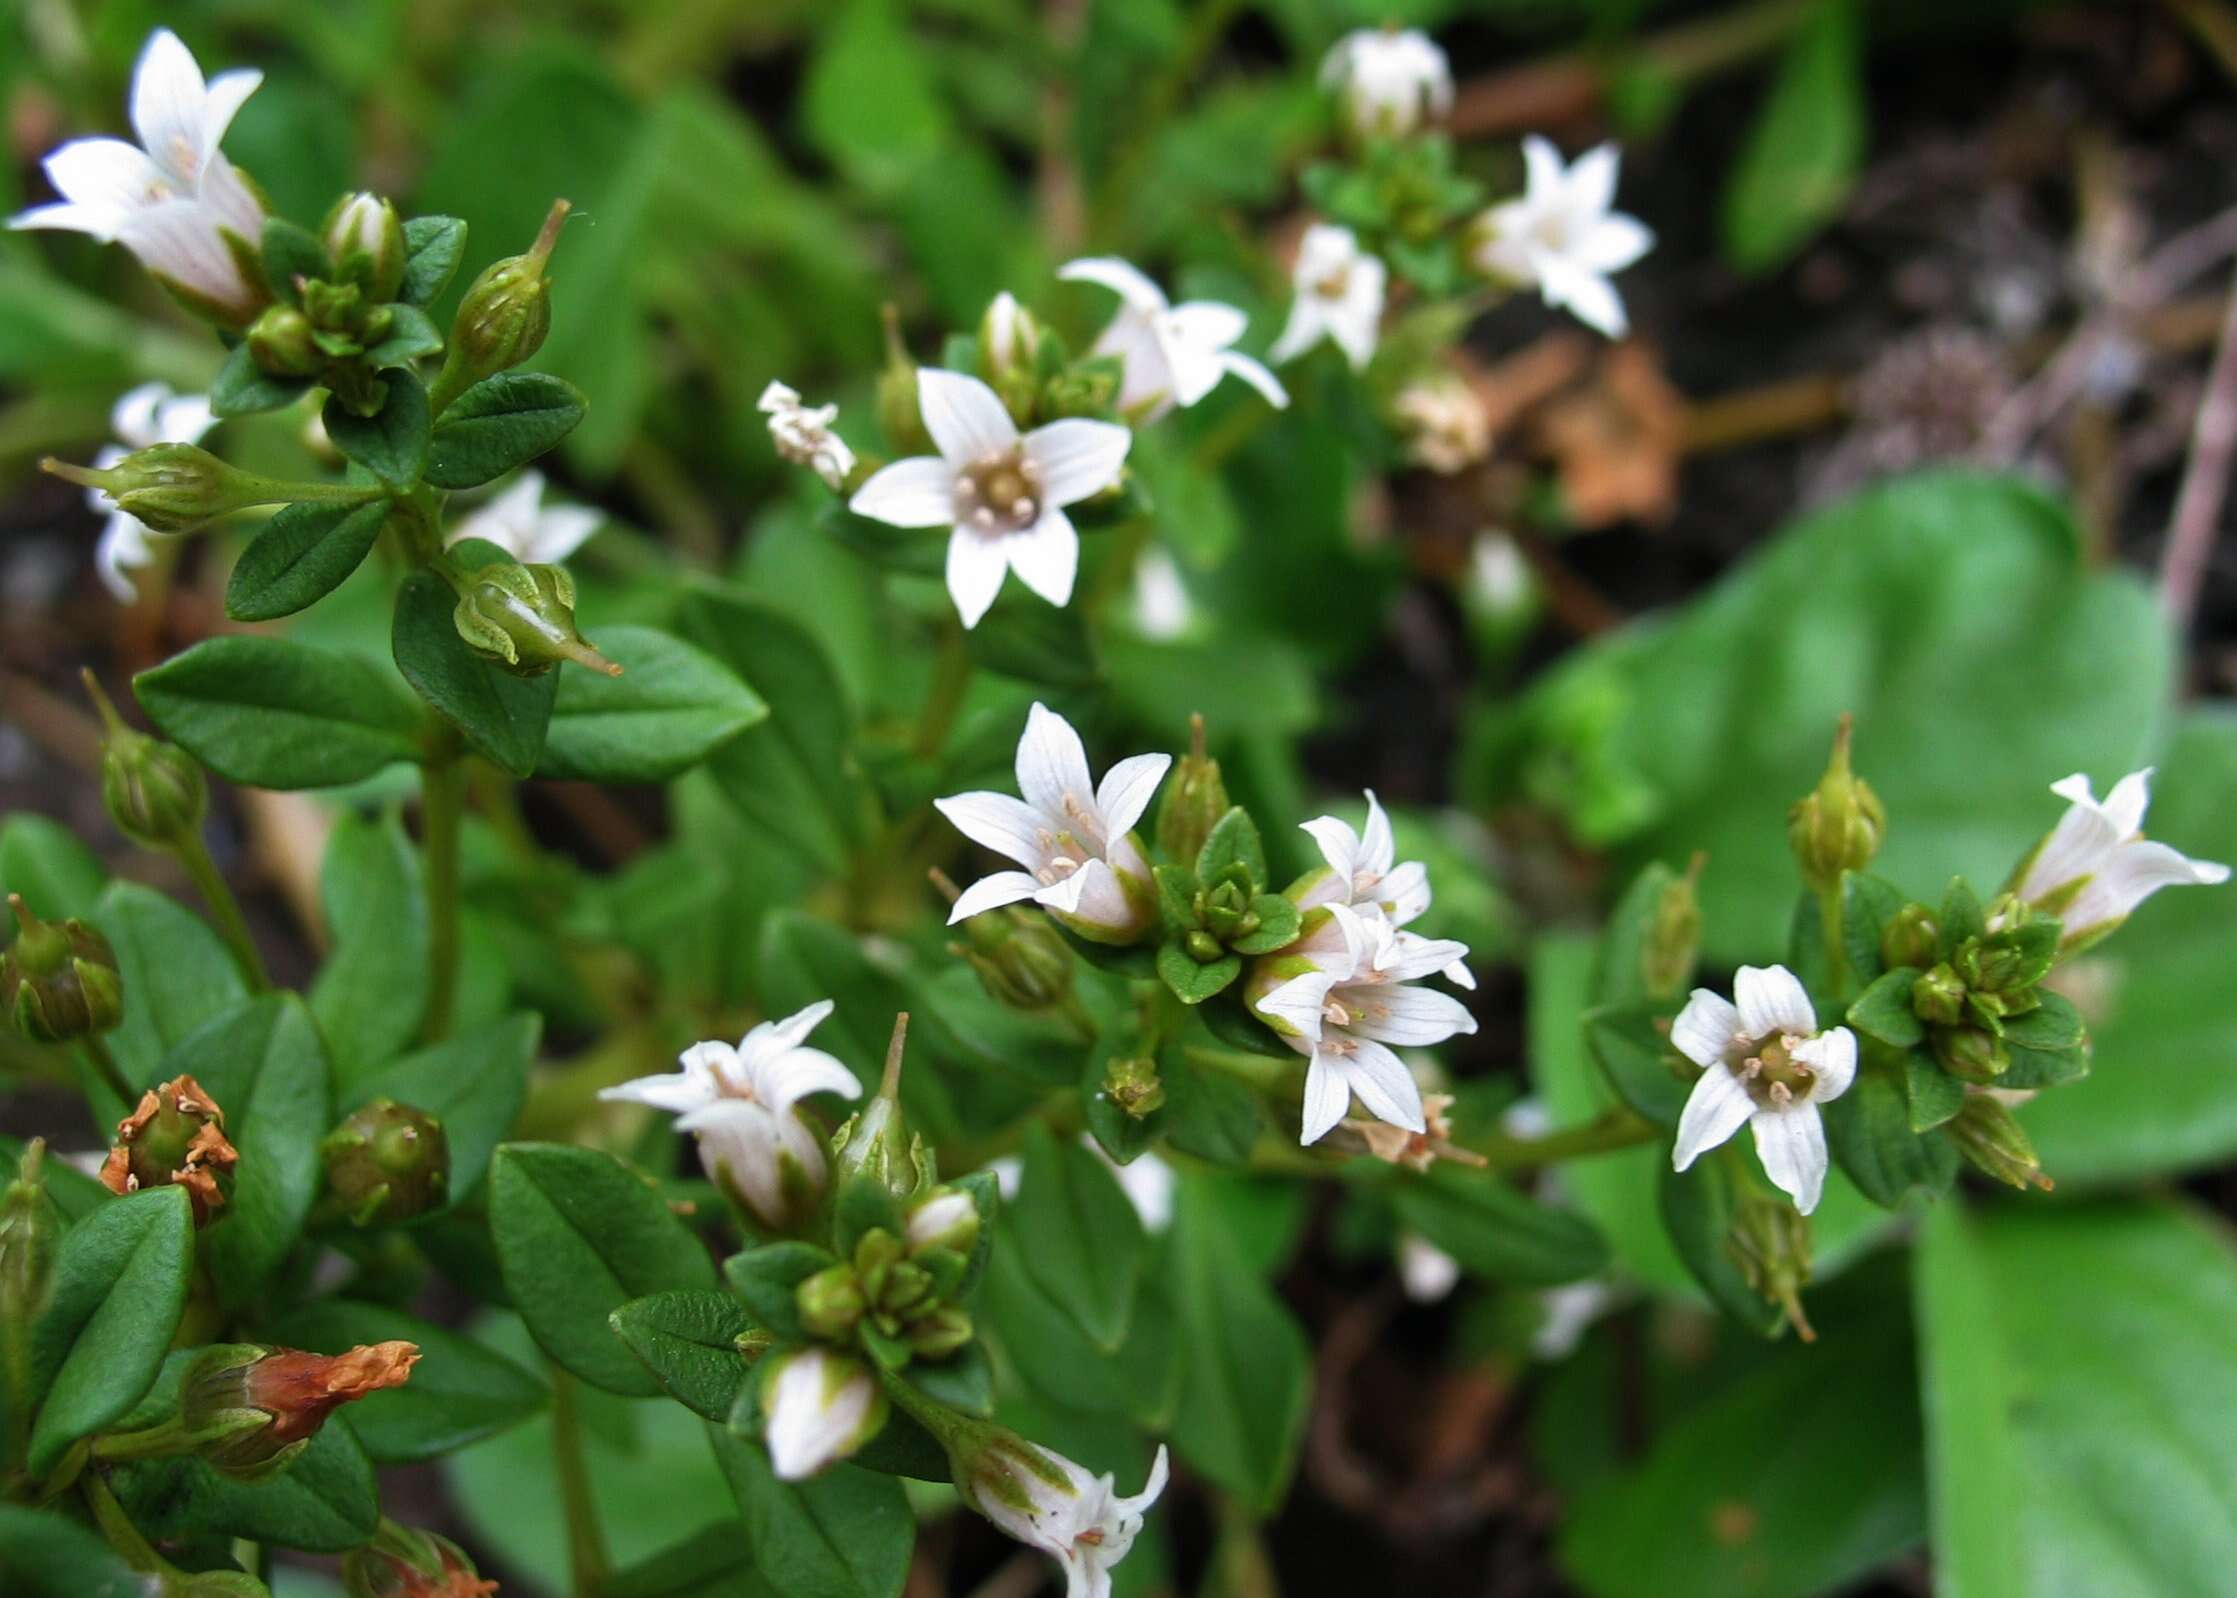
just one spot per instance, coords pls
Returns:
(1980, 979)
(403, 1562)
(175, 1137)
(386, 1163)
(1218, 911)
(249, 1409)
(58, 980)
(894, 1293)
(337, 322)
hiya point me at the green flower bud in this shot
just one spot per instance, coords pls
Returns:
(366, 225)
(1939, 996)
(876, 1142)
(1770, 1242)
(173, 488)
(1838, 825)
(254, 1408)
(1673, 940)
(386, 1163)
(1910, 938)
(941, 1333)
(154, 791)
(831, 1302)
(946, 1218)
(1022, 961)
(1970, 1053)
(30, 1227)
(503, 318)
(58, 980)
(403, 1562)
(1989, 1137)
(523, 617)
(1134, 1086)
(899, 415)
(1195, 799)
(284, 344)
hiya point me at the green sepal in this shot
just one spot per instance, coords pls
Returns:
(433, 246)
(1961, 917)
(1233, 840)
(1883, 1010)
(243, 388)
(767, 1280)
(290, 253)
(864, 1204)
(1279, 922)
(1190, 982)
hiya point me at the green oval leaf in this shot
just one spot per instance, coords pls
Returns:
(175, 972)
(433, 246)
(1078, 1235)
(504, 716)
(500, 423)
(372, 990)
(392, 443)
(299, 557)
(688, 1340)
(271, 713)
(847, 1533)
(671, 707)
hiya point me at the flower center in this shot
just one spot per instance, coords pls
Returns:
(1063, 854)
(1332, 286)
(999, 494)
(1769, 1069)
(1336, 1013)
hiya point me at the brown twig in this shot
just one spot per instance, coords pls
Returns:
(2198, 506)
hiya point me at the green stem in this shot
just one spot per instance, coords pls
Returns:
(951, 677)
(105, 1066)
(1836, 953)
(1619, 1128)
(117, 1527)
(1260, 1072)
(232, 926)
(442, 809)
(587, 1562)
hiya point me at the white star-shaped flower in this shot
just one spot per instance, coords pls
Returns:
(1003, 494)
(1344, 1016)
(1046, 1501)
(804, 436)
(148, 415)
(532, 532)
(1563, 237)
(173, 199)
(817, 1407)
(1765, 1064)
(1393, 79)
(1073, 836)
(2097, 866)
(1339, 289)
(1363, 872)
(1170, 354)
(741, 1103)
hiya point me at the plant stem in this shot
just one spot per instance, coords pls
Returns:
(951, 677)
(1619, 1128)
(232, 926)
(1836, 953)
(1261, 1072)
(105, 1066)
(442, 807)
(117, 1527)
(586, 1540)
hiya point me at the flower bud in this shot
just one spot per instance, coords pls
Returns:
(366, 224)
(1022, 961)
(402, 1562)
(254, 1408)
(830, 1302)
(284, 344)
(947, 1218)
(1770, 1242)
(1839, 824)
(30, 1226)
(947, 1330)
(504, 316)
(817, 1406)
(387, 1163)
(154, 791)
(1009, 355)
(1132, 1083)
(175, 1137)
(1989, 1137)
(1195, 799)
(1939, 996)
(173, 488)
(58, 980)
(899, 415)
(875, 1144)
(523, 617)
(1673, 940)
(1910, 938)
(1970, 1053)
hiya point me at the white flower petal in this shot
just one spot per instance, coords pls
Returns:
(1706, 1028)
(1791, 1145)
(1121, 277)
(1327, 1096)
(1384, 1085)
(1613, 243)
(1008, 826)
(1410, 1017)
(123, 547)
(676, 1092)
(1590, 187)
(1126, 790)
(1831, 1056)
(976, 566)
(2126, 804)
(966, 419)
(1376, 849)
(1585, 294)
(1300, 1002)
(1339, 846)
(1255, 374)
(918, 492)
(992, 893)
(1716, 1108)
(1046, 556)
(1772, 999)
(1052, 766)
(1077, 458)
(168, 101)
(797, 1073)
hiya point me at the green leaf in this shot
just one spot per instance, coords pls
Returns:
(300, 556)
(500, 423)
(50, 866)
(1211, 1116)
(1631, 1042)
(291, 252)
(1190, 982)
(270, 713)
(474, 1083)
(264, 1063)
(671, 707)
(1932, 1093)
(2044, 1068)
(370, 994)
(766, 1277)
(1078, 1235)
(1869, 1132)
(847, 1533)
(461, 1391)
(1233, 841)
(2078, 1382)
(411, 336)
(1799, 1476)
(243, 388)
(1939, 591)
(503, 715)
(578, 1235)
(46, 1555)
(432, 248)
(325, 1501)
(1697, 1207)
(1497, 1232)
(713, 1563)
(1807, 145)
(175, 972)
(688, 1340)
(1868, 904)
(1278, 925)
(791, 774)
(1246, 1371)
(392, 443)
(1884, 1011)
(120, 1278)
